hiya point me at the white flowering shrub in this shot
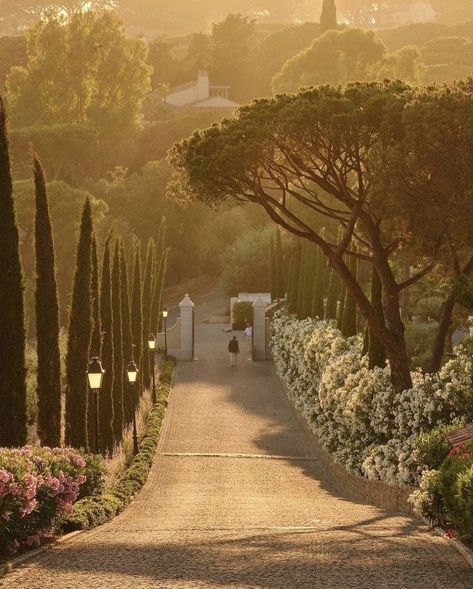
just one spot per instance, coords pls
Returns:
(426, 501)
(354, 410)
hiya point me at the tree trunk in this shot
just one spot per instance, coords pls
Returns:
(376, 352)
(405, 312)
(389, 333)
(398, 358)
(442, 333)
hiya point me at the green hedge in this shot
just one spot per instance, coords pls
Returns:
(432, 448)
(243, 313)
(93, 511)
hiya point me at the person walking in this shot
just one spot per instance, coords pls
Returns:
(234, 349)
(248, 335)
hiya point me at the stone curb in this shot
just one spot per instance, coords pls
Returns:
(457, 544)
(16, 562)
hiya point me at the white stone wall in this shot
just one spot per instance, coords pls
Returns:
(259, 329)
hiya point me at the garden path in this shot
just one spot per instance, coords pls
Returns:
(236, 498)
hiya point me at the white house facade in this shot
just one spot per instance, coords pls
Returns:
(200, 94)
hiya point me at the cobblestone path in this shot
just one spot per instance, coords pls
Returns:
(236, 499)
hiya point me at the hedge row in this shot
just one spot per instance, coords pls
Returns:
(96, 510)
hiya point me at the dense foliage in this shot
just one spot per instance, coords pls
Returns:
(367, 426)
(242, 313)
(85, 70)
(335, 58)
(246, 265)
(37, 487)
(446, 492)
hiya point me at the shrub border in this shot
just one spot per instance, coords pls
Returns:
(94, 511)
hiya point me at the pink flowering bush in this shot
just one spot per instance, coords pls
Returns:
(37, 486)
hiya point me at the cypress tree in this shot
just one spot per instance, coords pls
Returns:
(147, 295)
(341, 294)
(137, 318)
(47, 319)
(301, 281)
(331, 307)
(320, 286)
(137, 312)
(105, 397)
(272, 269)
(118, 368)
(293, 284)
(349, 308)
(96, 341)
(309, 281)
(376, 353)
(290, 272)
(280, 269)
(12, 328)
(80, 332)
(158, 294)
(126, 333)
(161, 240)
(328, 16)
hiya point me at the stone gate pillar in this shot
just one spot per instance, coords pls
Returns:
(187, 328)
(259, 329)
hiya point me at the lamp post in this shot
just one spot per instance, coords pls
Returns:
(165, 316)
(152, 348)
(132, 375)
(95, 374)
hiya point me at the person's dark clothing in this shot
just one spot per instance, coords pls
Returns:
(233, 347)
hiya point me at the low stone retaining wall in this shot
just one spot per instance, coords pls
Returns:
(391, 498)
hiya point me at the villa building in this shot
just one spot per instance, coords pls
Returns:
(200, 94)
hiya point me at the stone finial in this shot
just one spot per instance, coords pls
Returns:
(186, 302)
